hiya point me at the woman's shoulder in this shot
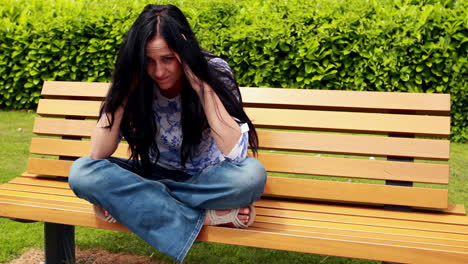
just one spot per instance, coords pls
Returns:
(218, 63)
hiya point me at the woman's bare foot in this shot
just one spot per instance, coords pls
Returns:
(243, 215)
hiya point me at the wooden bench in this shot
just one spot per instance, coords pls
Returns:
(346, 136)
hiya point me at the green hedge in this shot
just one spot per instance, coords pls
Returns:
(376, 45)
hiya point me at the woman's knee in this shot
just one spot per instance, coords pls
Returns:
(80, 176)
(251, 178)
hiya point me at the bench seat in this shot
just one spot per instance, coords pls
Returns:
(312, 227)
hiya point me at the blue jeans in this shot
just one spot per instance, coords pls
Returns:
(167, 208)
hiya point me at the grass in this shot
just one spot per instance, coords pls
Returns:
(15, 238)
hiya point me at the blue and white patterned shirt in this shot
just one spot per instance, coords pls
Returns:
(169, 138)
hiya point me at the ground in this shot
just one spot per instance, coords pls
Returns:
(94, 256)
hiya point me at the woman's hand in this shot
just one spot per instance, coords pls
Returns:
(197, 84)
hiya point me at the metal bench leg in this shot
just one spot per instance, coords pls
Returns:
(398, 183)
(59, 243)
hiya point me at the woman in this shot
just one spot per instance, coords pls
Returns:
(180, 110)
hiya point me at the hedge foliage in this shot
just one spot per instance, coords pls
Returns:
(375, 45)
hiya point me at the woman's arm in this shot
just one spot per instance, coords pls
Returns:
(104, 141)
(224, 128)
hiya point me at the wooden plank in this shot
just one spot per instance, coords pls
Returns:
(36, 189)
(326, 166)
(336, 247)
(52, 214)
(332, 227)
(60, 199)
(247, 237)
(63, 127)
(282, 216)
(49, 167)
(71, 148)
(346, 100)
(55, 203)
(362, 210)
(377, 238)
(54, 89)
(296, 141)
(350, 122)
(355, 144)
(357, 192)
(41, 182)
(72, 108)
(381, 235)
(356, 168)
(282, 97)
(298, 119)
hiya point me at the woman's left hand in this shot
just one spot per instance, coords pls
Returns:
(197, 84)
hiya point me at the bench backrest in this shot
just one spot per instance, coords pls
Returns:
(346, 136)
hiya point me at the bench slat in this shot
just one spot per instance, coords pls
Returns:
(352, 168)
(41, 202)
(350, 122)
(63, 127)
(265, 224)
(279, 97)
(455, 216)
(356, 168)
(357, 192)
(71, 148)
(283, 216)
(355, 144)
(52, 214)
(297, 119)
(348, 100)
(369, 229)
(36, 189)
(377, 239)
(55, 89)
(40, 182)
(49, 167)
(30, 196)
(295, 141)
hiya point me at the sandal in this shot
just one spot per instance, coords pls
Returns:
(99, 211)
(231, 217)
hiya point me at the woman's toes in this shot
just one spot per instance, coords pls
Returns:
(243, 218)
(244, 210)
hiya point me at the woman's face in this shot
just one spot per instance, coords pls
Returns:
(164, 67)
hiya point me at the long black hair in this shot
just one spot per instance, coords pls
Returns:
(132, 84)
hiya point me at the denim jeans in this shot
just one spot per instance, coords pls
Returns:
(167, 208)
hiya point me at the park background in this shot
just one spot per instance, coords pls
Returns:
(366, 45)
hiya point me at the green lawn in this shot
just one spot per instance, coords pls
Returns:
(15, 238)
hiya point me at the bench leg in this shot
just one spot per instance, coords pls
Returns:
(59, 244)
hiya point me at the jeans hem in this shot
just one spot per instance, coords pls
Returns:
(193, 236)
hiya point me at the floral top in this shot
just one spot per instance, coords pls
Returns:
(169, 139)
